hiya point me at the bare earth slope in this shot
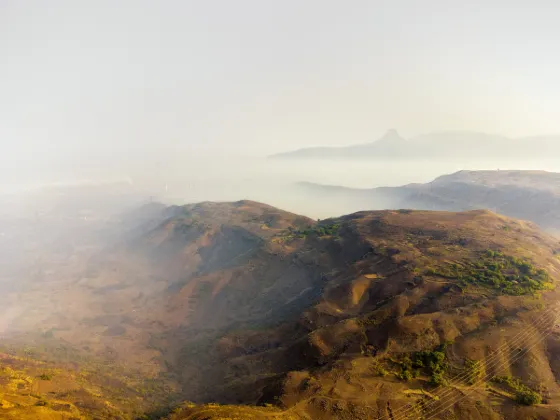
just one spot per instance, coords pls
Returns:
(388, 314)
(448, 284)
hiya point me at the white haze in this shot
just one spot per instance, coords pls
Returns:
(193, 94)
(272, 181)
(218, 178)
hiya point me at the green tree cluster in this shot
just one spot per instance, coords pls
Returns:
(523, 394)
(503, 273)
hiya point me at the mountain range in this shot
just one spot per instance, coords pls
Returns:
(457, 144)
(529, 195)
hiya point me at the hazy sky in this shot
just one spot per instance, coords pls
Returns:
(137, 82)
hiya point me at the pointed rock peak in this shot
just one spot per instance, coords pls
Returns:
(391, 136)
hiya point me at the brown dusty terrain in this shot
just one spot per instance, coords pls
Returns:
(244, 304)
(383, 298)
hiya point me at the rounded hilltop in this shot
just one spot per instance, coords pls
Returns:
(391, 311)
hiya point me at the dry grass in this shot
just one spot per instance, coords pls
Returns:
(346, 309)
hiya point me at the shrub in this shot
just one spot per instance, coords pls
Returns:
(437, 379)
(433, 363)
(474, 370)
(523, 394)
(382, 372)
(506, 274)
(323, 229)
(528, 397)
(404, 374)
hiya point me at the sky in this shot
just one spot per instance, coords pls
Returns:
(112, 88)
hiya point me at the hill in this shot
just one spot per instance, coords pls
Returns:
(460, 144)
(423, 305)
(381, 314)
(125, 307)
(529, 195)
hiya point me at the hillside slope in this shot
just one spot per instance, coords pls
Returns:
(317, 319)
(388, 314)
(451, 285)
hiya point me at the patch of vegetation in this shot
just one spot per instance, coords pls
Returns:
(381, 371)
(378, 369)
(188, 226)
(523, 394)
(437, 379)
(503, 273)
(330, 229)
(474, 370)
(45, 376)
(326, 229)
(433, 363)
(407, 371)
(430, 363)
(406, 375)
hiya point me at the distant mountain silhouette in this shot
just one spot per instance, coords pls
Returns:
(529, 195)
(440, 144)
